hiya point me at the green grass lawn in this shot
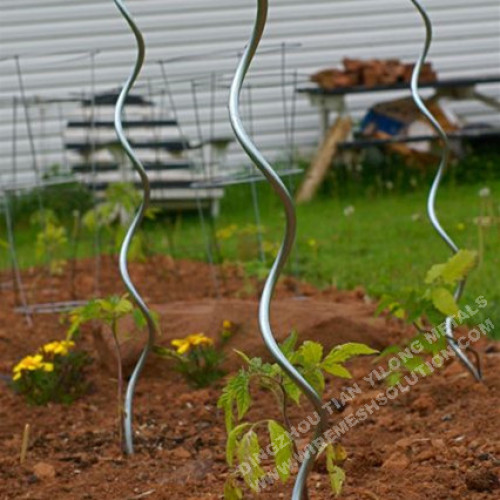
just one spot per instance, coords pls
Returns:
(383, 243)
(386, 243)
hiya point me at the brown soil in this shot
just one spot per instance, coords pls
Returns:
(440, 440)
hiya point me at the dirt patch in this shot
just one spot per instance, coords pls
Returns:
(330, 323)
(437, 441)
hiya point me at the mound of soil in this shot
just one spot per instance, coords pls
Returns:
(331, 323)
(439, 440)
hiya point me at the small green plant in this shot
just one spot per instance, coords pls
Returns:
(227, 232)
(243, 447)
(115, 215)
(56, 373)
(109, 311)
(4, 245)
(50, 241)
(255, 269)
(313, 264)
(427, 307)
(247, 241)
(486, 220)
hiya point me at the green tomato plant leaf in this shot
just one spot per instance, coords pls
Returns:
(232, 441)
(336, 369)
(236, 391)
(454, 270)
(392, 349)
(292, 390)
(335, 473)
(289, 344)
(344, 352)
(393, 378)
(231, 491)
(443, 301)
(282, 446)
(316, 378)
(310, 353)
(340, 453)
(248, 453)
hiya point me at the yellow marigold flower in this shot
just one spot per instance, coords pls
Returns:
(270, 247)
(58, 347)
(181, 345)
(200, 338)
(226, 324)
(184, 345)
(250, 229)
(47, 367)
(29, 363)
(226, 232)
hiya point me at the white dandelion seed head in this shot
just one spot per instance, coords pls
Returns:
(485, 192)
(349, 210)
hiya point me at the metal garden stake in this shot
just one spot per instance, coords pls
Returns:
(279, 188)
(431, 201)
(129, 397)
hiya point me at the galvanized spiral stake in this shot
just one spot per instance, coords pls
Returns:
(129, 396)
(300, 487)
(431, 201)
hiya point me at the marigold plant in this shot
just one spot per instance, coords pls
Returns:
(228, 330)
(198, 357)
(56, 373)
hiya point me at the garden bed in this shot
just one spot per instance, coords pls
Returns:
(439, 440)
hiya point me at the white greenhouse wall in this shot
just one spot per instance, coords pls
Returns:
(53, 39)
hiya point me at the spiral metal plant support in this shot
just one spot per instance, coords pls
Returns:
(431, 201)
(129, 396)
(300, 487)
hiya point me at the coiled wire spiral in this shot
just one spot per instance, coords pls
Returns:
(129, 396)
(274, 180)
(431, 201)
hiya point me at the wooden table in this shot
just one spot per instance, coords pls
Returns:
(334, 138)
(455, 88)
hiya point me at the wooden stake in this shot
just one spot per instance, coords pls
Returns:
(321, 163)
(24, 444)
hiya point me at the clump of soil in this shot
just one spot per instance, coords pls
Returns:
(438, 441)
(482, 480)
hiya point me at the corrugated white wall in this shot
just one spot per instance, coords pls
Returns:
(53, 39)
